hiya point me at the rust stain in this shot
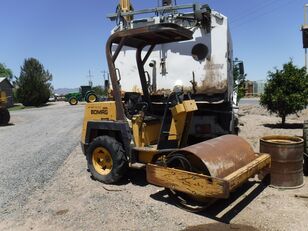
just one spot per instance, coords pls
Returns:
(214, 81)
(223, 155)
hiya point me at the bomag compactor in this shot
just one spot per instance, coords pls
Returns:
(4, 112)
(139, 129)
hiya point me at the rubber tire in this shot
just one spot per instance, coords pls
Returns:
(88, 96)
(117, 153)
(4, 116)
(71, 102)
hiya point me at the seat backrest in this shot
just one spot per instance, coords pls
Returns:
(163, 141)
(176, 123)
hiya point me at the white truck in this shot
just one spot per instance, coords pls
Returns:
(202, 67)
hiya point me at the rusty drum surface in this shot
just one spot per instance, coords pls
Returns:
(305, 135)
(287, 160)
(223, 155)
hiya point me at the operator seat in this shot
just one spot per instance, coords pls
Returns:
(133, 104)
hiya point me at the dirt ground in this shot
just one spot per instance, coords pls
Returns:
(73, 201)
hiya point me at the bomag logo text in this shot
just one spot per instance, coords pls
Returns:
(99, 112)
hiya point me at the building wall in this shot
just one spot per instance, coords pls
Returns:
(249, 88)
(7, 88)
(254, 88)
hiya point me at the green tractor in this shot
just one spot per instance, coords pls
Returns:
(85, 94)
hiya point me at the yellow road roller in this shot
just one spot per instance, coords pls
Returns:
(139, 129)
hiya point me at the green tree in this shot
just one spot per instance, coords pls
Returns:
(286, 91)
(6, 72)
(34, 87)
(99, 90)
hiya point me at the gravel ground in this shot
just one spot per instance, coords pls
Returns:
(256, 122)
(71, 200)
(33, 147)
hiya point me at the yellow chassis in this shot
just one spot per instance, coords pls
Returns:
(205, 186)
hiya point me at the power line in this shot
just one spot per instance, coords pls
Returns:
(253, 10)
(262, 14)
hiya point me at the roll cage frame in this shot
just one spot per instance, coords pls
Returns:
(139, 38)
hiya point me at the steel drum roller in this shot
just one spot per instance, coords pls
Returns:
(217, 158)
(221, 156)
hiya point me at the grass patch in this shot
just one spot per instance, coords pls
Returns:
(18, 107)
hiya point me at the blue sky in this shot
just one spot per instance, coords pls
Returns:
(69, 36)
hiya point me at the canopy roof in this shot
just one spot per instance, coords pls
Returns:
(152, 35)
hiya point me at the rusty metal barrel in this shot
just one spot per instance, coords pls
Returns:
(287, 160)
(305, 136)
(220, 156)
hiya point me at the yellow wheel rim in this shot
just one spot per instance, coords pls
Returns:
(73, 101)
(92, 98)
(102, 161)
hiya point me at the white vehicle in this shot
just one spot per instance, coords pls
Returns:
(202, 67)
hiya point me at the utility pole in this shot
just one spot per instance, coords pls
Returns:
(106, 79)
(90, 76)
(104, 74)
(305, 36)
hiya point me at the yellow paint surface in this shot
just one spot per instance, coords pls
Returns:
(96, 112)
